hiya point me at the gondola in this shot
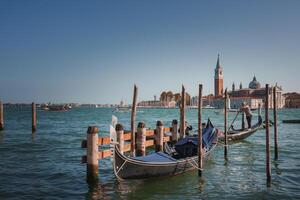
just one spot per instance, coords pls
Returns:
(163, 164)
(240, 134)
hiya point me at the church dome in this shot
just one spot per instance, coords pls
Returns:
(254, 84)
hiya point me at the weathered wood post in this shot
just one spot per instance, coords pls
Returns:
(33, 111)
(133, 115)
(159, 136)
(268, 169)
(141, 139)
(174, 130)
(1, 116)
(243, 120)
(225, 124)
(120, 137)
(182, 113)
(92, 154)
(259, 110)
(200, 156)
(275, 122)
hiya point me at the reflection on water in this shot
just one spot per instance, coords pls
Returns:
(33, 136)
(1, 136)
(277, 169)
(201, 184)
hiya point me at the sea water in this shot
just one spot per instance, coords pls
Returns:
(47, 164)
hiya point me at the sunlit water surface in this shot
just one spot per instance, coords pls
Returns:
(47, 164)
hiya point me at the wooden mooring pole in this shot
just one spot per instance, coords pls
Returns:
(120, 137)
(33, 109)
(133, 115)
(243, 120)
(200, 156)
(141, 139)
(182, 114)
(1, 116)
(268, 169)
(159, 136)
(174, 130)
(92, 154)
(275, 122)
(225, 124)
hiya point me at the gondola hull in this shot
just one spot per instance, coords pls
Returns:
(129, 168)
(237, 135)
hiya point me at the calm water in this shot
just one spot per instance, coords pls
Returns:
(46, 165)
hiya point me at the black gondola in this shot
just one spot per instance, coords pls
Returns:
(163, 164)
(240, 134)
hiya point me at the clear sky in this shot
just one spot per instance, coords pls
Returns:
(94, 51)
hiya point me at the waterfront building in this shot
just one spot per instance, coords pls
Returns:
(292, 100)
(150, 103)
(168, 99)
(253, 95)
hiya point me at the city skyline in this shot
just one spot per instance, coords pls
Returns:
(95, 52)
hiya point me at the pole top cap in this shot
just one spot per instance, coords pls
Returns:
(92, 130)
(159, 123)
(119, 127)
(141, 125)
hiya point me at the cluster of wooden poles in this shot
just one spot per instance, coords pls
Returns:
(139, 148)
(33, 115)
(267, 125)
(140, 137)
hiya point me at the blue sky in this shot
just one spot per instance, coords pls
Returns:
(94, 51)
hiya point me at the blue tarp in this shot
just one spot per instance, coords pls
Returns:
(207, 138)
(156, 157)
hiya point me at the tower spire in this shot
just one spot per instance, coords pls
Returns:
(218, 62)
(254, 78)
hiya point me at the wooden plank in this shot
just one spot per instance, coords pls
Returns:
(103, 154)
(167, 129)
(149, 143)
(106, 153)
(103, 140)
(127, 136)
(150, 132)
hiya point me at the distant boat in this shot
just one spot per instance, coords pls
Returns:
(240, 134)
(122, 109)
(208, 107)
(57, 108)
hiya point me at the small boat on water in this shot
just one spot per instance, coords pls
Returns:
(58, 108)
(184, 158)
(121, 109)
(240, 134)
(208, 107)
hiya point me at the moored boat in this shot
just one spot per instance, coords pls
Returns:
(163, 164)
(240, 134)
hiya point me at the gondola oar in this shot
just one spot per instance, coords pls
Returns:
(238, 112)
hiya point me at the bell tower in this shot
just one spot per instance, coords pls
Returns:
(218, 79)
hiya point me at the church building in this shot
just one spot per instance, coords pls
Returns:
(253, 95)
